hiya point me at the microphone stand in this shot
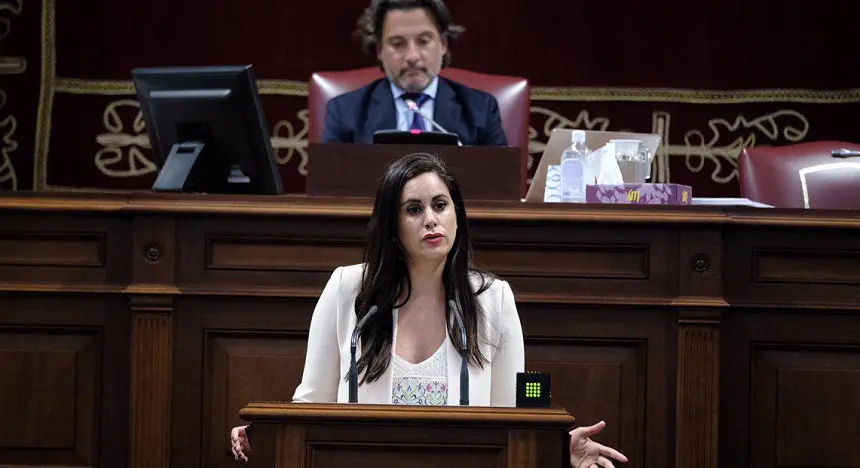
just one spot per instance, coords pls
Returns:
(353, 368)
(464, 362)
(413, 106)
(845, 153)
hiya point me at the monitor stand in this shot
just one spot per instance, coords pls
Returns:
(175, 175)
(192, 167)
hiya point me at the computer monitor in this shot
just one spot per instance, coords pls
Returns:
(207, 130)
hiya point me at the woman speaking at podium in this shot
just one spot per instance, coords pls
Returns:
(418, 308)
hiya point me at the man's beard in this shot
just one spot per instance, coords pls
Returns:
(411, 87)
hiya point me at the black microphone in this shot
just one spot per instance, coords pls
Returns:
(413, 106)
(353, 368)
(464, 366)
(845, 153)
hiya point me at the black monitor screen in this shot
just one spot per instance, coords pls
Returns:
(207, 130)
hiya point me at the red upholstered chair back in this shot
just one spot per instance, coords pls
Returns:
(512, 93)
(803, 175)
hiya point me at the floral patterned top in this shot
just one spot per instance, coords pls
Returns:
(425, 383)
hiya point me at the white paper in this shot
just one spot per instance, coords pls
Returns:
(605, 168)
(732, 201)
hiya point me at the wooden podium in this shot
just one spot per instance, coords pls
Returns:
(352, 170)
(299, 435)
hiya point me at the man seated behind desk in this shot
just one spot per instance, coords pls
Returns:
(410, 40)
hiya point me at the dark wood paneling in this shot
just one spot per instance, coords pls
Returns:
(60, 250)
(243, 367)
(370, 436)
(290, 441)
(604, 377)
(700, 264)
(347, 170)
(288, 257)
(523, 449)
(413, 434)
(52, 250)
(640, 313)
(697, 402)
(153, 254)
(563, 262)
(811, 267)
(282, 255)
(802, 266)
(608, 365)
(790, 383)
(151, 307)
(227, 358)
(424, 456)
(570, 261)
(55, 380)
(800, 394)
(151, 373)
(64, 385)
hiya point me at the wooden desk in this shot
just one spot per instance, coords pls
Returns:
(133, 328)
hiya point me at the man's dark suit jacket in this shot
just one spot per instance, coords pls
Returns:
(472, 114)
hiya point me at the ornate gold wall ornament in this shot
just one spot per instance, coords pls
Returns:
(726, 140)
(698, 147)
(9, 124)
(286, 142)
(121, 155)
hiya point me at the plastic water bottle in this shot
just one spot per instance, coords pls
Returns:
(573, 168)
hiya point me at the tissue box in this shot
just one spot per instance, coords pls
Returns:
(640, 194)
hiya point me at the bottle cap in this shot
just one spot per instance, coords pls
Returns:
(577, 136)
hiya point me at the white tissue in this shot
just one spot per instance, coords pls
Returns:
(603, 167)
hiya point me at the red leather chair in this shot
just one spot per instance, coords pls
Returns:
(802, 175)
(512, 93)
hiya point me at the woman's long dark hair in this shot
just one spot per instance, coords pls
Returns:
(386, 274)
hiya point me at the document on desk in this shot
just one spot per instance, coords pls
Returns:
(728, 201)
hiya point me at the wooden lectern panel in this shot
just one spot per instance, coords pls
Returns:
(353, 170)
(289, 435)
(398, 456)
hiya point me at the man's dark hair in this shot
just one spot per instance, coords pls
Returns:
(371, 21)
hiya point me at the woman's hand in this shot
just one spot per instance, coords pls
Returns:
(239, 442)
(586, 453)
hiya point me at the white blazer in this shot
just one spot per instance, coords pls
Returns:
(328, 356)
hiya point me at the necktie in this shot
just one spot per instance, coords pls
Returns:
(419, 99)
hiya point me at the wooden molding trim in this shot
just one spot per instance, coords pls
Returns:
(697, 405)
(299, 205)
(151, 381)
(332, 412)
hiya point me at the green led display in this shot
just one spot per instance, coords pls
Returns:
(532, 389)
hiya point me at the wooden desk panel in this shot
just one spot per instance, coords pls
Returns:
(697, 333)
(64, 380)
(48, 252)
(795, 266)
(263, 256)
(560, 263)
